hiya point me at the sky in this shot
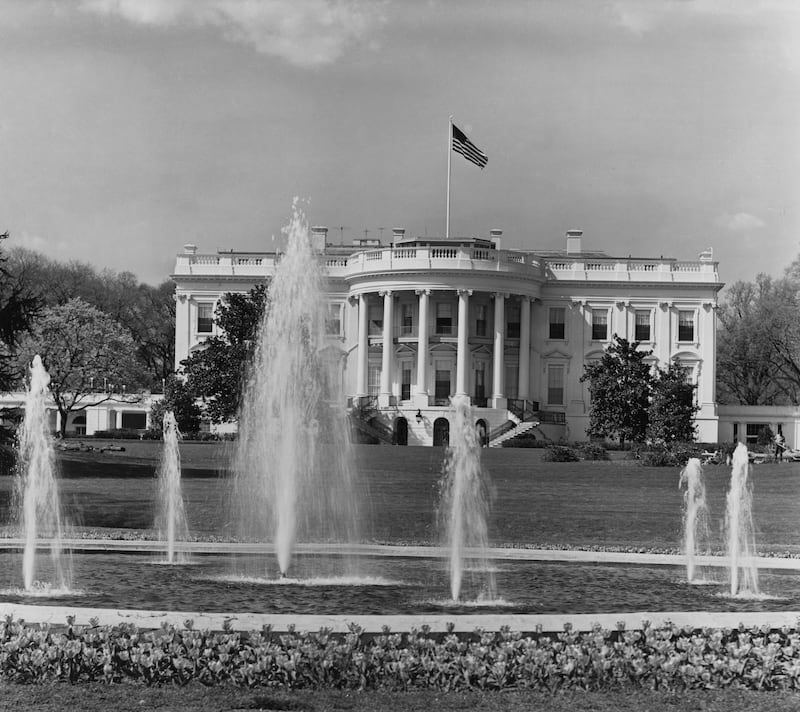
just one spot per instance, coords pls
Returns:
(659, 127)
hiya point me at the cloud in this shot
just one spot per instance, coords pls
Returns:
(740, 222)
(307, 33)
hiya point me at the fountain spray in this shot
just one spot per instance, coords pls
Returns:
(38, 509)
(740, 533)
(465, 503)
(170, 515)
(294, 476)
(695, 514)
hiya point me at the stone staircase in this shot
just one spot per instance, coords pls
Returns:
(518, 429)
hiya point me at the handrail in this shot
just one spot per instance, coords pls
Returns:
(500, 430)
(524, 409)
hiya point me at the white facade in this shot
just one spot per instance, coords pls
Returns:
(114, 413)
(426, 318)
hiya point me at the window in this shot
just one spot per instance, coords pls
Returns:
(480, 320)
(557, 320)
(442, 386)
(444, 319)
(599, 324)
(555, 384)
(641, 325)
(480, 383)
(333, 321)
(685, 325)
(405, 385)
(205, 318)
(406, 319)
(512, 321)
(512, 380)
(753, 431)
(375, 314)
(374, 384)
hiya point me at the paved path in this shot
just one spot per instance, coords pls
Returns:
(431, 552)
(57, 615)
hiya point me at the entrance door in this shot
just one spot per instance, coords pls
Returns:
(441, 432)
(401, 431)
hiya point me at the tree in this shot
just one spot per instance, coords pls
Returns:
(19, 307)
(147, 312)
(758, 351)
(619, 385)
(784, 338)
(81, 348)
(178, 399)
(672, 407)
(215, 374)
(151, 321)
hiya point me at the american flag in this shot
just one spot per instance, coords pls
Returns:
(462, 145)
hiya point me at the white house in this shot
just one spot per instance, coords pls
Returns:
(423, 319)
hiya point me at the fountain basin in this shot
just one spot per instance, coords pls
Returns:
(388, 585)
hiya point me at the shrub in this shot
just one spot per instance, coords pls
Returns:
(526, 440)
(673, 455)
(559, 453)
(119, 434)
(592, 451)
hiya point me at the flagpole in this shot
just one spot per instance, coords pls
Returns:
(449, 158)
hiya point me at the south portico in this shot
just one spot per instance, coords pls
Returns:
(450, 342)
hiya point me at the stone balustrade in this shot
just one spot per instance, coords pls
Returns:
(389, 259)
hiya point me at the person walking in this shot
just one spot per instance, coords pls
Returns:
(779, 447)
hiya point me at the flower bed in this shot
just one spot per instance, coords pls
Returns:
(670, 658)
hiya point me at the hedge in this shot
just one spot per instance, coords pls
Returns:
(670, 657)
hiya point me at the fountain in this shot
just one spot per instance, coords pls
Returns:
(695, 514)
(740, 533)
(36, 496)
(170, 515)
(464, 506)
(294, 476)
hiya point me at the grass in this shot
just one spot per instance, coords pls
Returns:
(617, 505)
(57, 697)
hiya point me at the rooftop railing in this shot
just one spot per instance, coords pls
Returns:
(458, 257)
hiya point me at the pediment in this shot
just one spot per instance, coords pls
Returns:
(557, 353)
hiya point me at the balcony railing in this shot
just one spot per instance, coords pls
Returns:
(460, 257)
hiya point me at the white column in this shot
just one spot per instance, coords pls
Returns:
(421, 390)
(363, 346)
(388, 350)
(462, 358)
(524, 348)
(183, 326)
(499, 365)
(574, 389)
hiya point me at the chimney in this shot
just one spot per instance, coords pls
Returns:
(398, 234)
(189, 249)
(496, 236)
(319, 238)
(574, 242)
